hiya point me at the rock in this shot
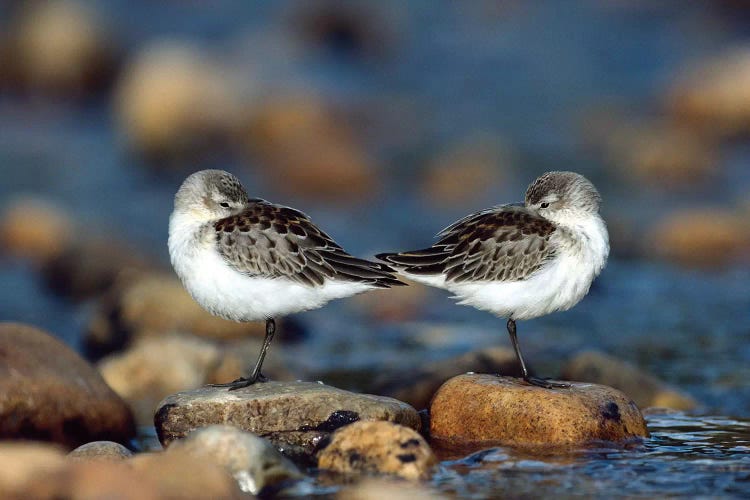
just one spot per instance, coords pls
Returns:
(395, 304)
(417, 388)
(47, 392)
(252, 461)
(156, 367)
(294, 416)
(174, 101)
(379, 488)
(664, 155)
(479, 410)
(378, 447)
(91, 266)
(62, 48)
(35, 229)
(24, 461)
(181, 475)
(700, 237)
(480, 161)
(645, 389)
(101, 450)
(714, 96)
(151, 304)
(309, 151)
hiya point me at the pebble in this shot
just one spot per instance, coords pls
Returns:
(49, 393)
(253, 461)
(701, 238)
(418, 387)
(645, 389)
(35, 229)
(294, 416)
(308, 151)
(173, 102)
(101, 450)
(378, 447)
(480, 410)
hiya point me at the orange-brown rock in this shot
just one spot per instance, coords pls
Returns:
(49, 393)
(378, 448)
(34, 229)
(645, 389)
(707, 237)
(486, 409)
(309, 151)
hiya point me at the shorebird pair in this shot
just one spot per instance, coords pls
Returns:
(246, 259)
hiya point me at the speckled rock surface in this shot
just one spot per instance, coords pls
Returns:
(378, 448)
(645, 389)
(101, 450)
(253, 461)
(294, 416)
(49, 393)
(476, 409)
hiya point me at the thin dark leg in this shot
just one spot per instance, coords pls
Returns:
(256, 375)
(531, 380)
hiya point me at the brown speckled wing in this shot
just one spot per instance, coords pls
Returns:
(506, 243)
(275, 241)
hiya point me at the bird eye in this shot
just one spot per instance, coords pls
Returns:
(224, 204)
(544, 205)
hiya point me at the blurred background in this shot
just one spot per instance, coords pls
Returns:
(384, 121)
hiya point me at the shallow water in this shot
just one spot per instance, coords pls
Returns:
(524, 74)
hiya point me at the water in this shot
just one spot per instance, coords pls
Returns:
(524, 72)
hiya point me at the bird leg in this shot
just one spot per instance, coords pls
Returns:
(530, 380)
(256, 375)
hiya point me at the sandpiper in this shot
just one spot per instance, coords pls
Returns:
(246, 259)
(519, 261)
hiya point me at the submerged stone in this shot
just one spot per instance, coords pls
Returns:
(294, 416)
(486, 409)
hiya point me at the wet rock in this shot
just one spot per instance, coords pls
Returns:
(61, 48)
(91, 266)
(485, 409)
(21, 462)
(156, 367)
(254, 462)
(480, 161)
(706, 238)
(309, 151)
(417, 388)
(47, 392)
(379, 488)
(151, 304)
(378, 447)
(714, 96)
(181, 475)
(101, 450)
(34, 229)
(295, 416)
(645, 389)
(173, 102)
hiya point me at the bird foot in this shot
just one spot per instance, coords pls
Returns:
(546, 383)
(242, 382)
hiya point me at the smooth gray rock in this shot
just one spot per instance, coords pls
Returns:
(101, 450)
(294, 416)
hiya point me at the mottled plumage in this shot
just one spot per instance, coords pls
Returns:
(519, 261)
